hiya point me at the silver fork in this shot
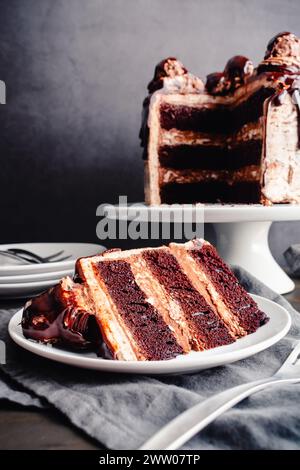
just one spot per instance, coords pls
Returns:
(190, 422)
(33, 257)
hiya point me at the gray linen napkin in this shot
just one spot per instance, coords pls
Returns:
(292, 256)
(122, 411)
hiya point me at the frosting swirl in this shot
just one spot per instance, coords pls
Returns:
(172, 76)
(167, 68)
(283, 51)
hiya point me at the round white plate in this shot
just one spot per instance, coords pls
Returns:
(25, 278)
(75, 250)
(263, 338)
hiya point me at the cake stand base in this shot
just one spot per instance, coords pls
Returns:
(246, 244)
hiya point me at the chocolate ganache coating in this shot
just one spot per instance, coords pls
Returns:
(287, 84)
(46, 318)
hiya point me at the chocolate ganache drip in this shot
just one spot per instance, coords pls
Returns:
(282, 60)
(49, 319)
(288, 84)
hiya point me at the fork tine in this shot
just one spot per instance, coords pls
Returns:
(60, 259)
(54, 255)
(293, 355)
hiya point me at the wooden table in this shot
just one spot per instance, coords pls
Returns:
(31, 429)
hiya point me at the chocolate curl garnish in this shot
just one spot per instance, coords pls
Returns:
(44, 319)
(78, 328)
(167, 68)
(282, 54)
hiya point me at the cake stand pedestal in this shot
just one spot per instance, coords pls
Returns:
(242, 236)
(242, 239)
(246, 244)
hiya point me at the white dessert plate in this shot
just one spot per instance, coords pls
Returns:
(74, 250)
(26, 278)
(263, 338)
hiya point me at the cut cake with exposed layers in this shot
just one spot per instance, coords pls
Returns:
(146, 304)
(234, 140)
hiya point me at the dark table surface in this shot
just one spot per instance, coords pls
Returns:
(33, 429)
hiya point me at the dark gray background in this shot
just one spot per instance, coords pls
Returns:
(76, 73)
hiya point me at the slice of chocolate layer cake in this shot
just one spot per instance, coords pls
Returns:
(146, 304)
(235, 139)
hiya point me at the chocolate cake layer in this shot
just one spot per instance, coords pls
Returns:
(233, 294)
(221, 118)
(208, 330)
(211, 157)
(187, 118)
(145, 323)
(210, 192)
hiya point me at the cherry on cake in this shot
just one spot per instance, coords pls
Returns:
(146, 304)
(234, 139)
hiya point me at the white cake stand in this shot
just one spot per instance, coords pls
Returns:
(242, 236)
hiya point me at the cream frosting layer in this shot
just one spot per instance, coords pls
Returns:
(281, 158)
(248, 173)
(117, 337)
(249, 131)
(202, 97)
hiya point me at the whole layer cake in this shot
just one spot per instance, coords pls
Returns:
(234, 139)
(146, 304)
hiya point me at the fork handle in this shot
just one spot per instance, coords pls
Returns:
(190, 422)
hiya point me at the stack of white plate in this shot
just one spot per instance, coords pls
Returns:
(19, 281)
